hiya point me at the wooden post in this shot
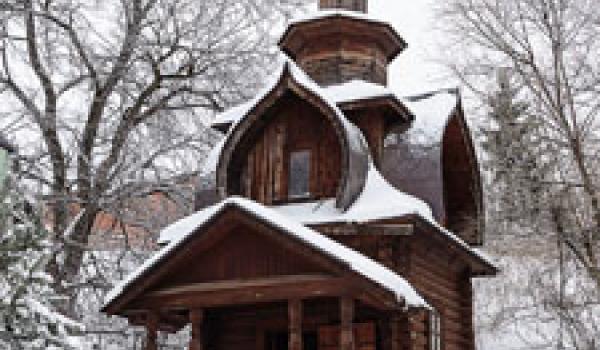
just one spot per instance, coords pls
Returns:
(151, 331)
(395, 333)
(196, 319)
(346, 327)
(295, 324)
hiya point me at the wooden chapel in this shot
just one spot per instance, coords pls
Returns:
(308, 242)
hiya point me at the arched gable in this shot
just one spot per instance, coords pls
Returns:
(435, 161)
(353, 150)
(463, 198)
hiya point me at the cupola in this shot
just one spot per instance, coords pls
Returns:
(351, 5)
(342, 44)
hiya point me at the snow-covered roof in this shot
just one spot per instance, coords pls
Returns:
(356, 90)
(432, 113)
(379, 200)
(354, 146)
(312, 16)
(356, 261)
(351, 91)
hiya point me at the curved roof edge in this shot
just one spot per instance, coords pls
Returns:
(359, 263)
(350, 16)
(354, 147)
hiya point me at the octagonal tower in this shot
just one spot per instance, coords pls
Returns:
(342, 43)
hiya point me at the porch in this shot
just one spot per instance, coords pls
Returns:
(322, 323)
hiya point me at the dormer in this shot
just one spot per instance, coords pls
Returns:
(293, 145)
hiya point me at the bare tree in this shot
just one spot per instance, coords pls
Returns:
(109, 98)
(548, 47)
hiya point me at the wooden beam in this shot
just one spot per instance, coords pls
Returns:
(151, 331)
(346, 326)
(295, 324)
(197, 320)
(204, 296)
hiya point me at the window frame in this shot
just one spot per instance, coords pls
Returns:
(308, 163)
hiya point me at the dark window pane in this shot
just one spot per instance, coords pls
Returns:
(299, 181)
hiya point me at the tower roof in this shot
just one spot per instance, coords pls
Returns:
(351, 5)
(307, 30)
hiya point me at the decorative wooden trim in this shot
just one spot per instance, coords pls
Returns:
(246, 295)
(228, 285)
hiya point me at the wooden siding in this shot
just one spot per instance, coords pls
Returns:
(372, 124)
(242, 254)
(246, 328)
(334, 59)
(352, 5)
(292, 125)
(436, 273)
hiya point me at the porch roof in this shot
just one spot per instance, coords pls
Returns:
(355, 261)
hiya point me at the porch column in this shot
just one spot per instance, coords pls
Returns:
(197, 320)
(346, 326)
(295, 324)
(151, 331)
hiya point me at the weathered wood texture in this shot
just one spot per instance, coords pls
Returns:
(437, 272)
(352, 5)
(338, 49)
(372, 123)
(240, 254)
(151, 331)
(340, 67)
(292, 125)
(258, 327)
(295, 324)
(197, 323)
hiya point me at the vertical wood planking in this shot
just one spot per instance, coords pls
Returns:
(151, 331)
(295, 324)
(197, 321)
(346, 323)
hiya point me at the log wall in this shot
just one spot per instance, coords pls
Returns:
(437, 274)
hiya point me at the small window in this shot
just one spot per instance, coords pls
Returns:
(435, 330)
(299, 177)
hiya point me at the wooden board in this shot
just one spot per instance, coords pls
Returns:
(364, 337)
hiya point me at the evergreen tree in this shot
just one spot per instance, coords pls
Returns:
(511, 144)
(28, 304)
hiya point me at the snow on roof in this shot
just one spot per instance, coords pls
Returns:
(356, 90)
(355, 138)
(359, 263)
(379, 200)
(311, 16)
(432, 113)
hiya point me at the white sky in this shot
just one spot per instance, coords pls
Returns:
(415, 70)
